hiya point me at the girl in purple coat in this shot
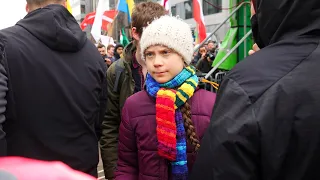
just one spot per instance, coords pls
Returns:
(161, 127)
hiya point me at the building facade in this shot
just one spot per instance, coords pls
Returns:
(81, 7)
(214, 11)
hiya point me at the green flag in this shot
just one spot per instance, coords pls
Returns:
(123, 38)
(230, 40)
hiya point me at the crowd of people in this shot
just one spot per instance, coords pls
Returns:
(111, 53)
(63, 97)
(205, 56)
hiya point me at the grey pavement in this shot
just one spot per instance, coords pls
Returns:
(100, 169)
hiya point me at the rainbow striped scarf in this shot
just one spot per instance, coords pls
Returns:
(172, 143)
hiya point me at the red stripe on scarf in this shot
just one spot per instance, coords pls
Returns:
(166, 127)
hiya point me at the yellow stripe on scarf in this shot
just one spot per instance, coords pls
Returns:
(168, 93)
(188, 89)
(190, 69)
(193, 82)
(180, 96)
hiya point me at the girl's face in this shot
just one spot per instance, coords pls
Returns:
(163, 63)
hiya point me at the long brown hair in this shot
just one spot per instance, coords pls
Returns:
(192, 137)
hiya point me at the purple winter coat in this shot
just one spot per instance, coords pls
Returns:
(138, 158)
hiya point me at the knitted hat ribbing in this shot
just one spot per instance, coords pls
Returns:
(171, 32)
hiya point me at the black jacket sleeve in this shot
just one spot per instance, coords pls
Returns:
(230, 147)
(103, 106)
(3, 101)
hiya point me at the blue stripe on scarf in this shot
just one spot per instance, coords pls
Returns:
(181, 148)
(179, 167)
(180, 163)
(178, 80)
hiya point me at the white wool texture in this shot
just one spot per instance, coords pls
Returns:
(169, 31)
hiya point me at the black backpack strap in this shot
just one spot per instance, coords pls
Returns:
(118, 70)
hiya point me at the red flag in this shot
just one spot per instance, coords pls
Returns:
(107, 18)
(198, 17)
(88, 20)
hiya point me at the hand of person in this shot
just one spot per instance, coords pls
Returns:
(254, 49)
(108, 61)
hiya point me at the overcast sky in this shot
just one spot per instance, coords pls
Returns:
(11, 11)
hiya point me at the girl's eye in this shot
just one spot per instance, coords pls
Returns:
(166, 52)
(148, 54)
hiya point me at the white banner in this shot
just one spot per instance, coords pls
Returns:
(103, 5)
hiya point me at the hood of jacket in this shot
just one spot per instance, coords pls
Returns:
(283, 19)
(55, 27)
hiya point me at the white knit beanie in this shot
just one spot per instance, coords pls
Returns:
(171, 32)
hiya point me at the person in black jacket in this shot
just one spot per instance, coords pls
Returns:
(265, 123)
(52, 88)
(118, 49)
